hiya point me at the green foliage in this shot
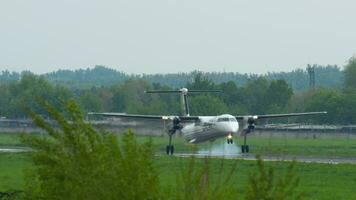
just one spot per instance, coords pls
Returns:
(339, 104)
(255, 92)
(15, 96)
(265, 185)
(256, 95)
(207, 105)
(350, 73)
(89, 101)
(77, 162)
(278, 95)
(201, 82)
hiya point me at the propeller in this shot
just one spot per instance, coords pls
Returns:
(176, 125)
(251, 123)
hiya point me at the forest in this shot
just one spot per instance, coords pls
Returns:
(104, 89)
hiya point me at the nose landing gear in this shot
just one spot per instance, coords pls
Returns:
(229, 139)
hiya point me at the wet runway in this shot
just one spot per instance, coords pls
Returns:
(14, 149)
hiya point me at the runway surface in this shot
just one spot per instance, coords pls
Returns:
(14, 149)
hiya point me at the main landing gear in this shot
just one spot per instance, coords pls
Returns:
(170, 147)
(245, 148)
(176, 126)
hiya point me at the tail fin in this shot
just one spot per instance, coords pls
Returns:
(184, 96)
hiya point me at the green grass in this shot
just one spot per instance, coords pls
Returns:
(318, 181)
(305, 147)
(12, 167)
(10, 139)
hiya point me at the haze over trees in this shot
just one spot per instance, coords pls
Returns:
(329, 76)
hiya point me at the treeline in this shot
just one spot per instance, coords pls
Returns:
(258, 95)
(326, 76)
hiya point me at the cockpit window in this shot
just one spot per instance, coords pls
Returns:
(226, 119)
(223, 119)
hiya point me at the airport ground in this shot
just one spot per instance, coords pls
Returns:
(318, 181)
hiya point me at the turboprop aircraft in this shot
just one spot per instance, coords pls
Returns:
(197, 129)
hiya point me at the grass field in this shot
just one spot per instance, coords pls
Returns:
(318, 181)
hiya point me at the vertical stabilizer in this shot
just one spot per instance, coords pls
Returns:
(184, 96)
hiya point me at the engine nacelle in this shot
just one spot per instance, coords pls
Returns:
(250, 123)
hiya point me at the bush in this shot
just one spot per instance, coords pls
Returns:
(265, 186)
(78, 162)
(196, 181)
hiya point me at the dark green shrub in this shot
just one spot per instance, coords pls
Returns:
(79, 162)
(264, 185)
(197, 181)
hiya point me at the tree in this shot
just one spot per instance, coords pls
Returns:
(278, 95)
(255, 92)
(350, 73)
(207, 105)
(201, 82)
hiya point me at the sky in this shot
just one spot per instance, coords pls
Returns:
(166, 36)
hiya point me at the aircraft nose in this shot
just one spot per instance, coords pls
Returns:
(229, 127)
(234, 127)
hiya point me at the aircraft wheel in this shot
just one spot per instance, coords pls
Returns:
(168, 149)
(243, 148)
(172, 149)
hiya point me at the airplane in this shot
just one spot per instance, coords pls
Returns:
(197, 129)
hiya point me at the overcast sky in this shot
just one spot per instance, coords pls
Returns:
(160, 36)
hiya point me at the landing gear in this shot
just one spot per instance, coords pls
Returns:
(245, 148)
(230, 141)
(176, 126)
(170, 147)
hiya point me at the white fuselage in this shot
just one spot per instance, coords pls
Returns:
(210, 128)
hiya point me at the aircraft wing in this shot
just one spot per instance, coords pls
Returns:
(154, 117)
(254, 117)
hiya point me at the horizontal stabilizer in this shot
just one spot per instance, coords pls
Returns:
(183, 90)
